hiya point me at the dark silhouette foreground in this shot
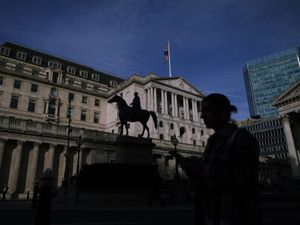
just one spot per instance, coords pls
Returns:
(226, 177)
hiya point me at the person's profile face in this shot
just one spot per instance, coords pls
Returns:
(210, 113)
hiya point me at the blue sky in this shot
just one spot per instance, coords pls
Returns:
(211, 40)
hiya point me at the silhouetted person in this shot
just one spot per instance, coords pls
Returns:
(28, 194)
(136, 103)
(226, 177)
(4, 192)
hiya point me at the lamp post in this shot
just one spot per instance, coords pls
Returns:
(79, 143)
(67, 155)
(174, 141)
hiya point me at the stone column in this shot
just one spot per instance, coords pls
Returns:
(184, 107)
(75, 159)
(196, 111)
(166, 102)
(49, 157)
(173, 103)
(176, 105)
(151, 99)
(294, 161)
(162, 102)
(155, 99)
(15, 167)
(61, 166)
(148, 99)
(32, 165)
(187, 109)
(2, 146)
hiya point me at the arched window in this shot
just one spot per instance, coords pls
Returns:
(171, 126)
(161, 124)
(52, 107)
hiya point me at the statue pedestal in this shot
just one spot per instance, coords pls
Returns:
(134, 150)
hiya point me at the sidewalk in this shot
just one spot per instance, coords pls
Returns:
(21, 205)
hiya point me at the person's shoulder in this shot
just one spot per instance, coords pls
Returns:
(244, 135)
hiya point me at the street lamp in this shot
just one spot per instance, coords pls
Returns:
(174, 141)
(79, 143)
(67, 155)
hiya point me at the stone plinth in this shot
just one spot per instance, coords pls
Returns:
(134, 150)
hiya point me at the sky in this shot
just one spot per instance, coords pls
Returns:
(211, 40)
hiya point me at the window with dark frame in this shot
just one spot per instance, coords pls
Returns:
(34, 88)
(17, 84)
(4, 51)
(14, 101)
(71, 112)
(31, 105)
(84, 99)
(1, 80)
(71, 96)
(83, 115)
(161, 137)
(161, 124)
(97, 102)
(96, 117)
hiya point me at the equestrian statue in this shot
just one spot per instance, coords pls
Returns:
(133, 114)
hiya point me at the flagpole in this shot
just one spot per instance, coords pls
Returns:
(169, 54)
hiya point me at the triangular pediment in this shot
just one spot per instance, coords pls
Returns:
(180, 83)
(291, 93)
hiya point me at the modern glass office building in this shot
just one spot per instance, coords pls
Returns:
(268, 77)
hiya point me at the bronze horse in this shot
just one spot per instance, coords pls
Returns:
(126, 114)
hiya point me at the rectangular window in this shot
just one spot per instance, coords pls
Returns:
(71, 112)
(83, 73)
(17, 84)
(21, 55)
(31, 105)
(84, 99)
(14, 101)
(95, 77)
(37, 60)
(83, 115)
(54, 65)
(97, 102)
(1, 80)
(71, 96)
(96, 117)
(71, 70)
(4, 51)
(55, 76)
(34, 88)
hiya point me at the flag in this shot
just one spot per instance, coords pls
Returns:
(166, 54)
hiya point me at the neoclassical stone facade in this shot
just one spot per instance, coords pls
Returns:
(288, 105)
(35, 111)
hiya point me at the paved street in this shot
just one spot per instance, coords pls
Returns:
(20, 213)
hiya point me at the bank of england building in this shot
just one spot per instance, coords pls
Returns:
(47, 103)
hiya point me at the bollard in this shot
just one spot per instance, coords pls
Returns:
(45, 198)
